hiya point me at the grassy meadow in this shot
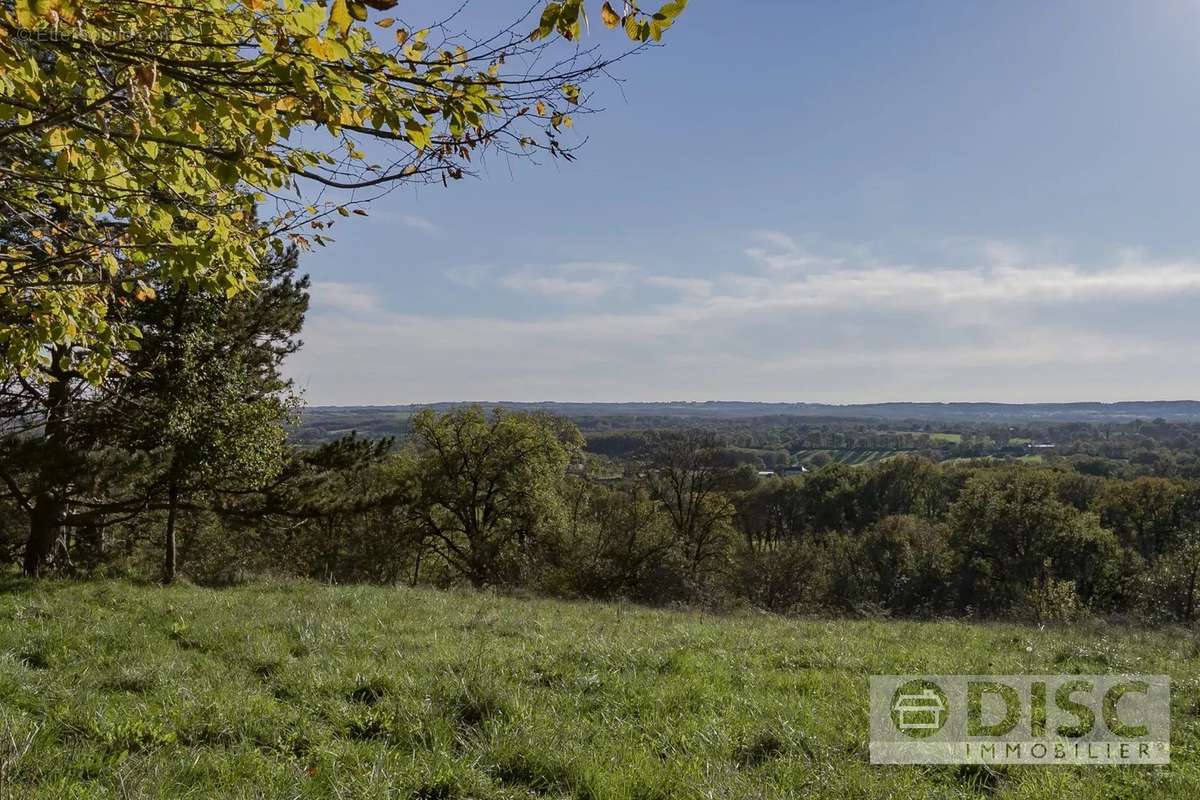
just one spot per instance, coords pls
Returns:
(294, 690)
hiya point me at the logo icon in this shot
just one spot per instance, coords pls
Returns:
(919, 708)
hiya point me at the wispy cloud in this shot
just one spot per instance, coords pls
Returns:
(791, 322)
(419, 223)
(778, 252)
(472, 276)
(349, 298)
(892, 287)
(571, 282)
(689, 287)
(579, 282)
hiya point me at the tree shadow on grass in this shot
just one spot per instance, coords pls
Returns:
(13, 582)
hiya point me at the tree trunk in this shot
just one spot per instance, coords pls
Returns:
(416, 576)
(1190, 609)
(169, 543)
(49, 508)
(169, 549)
(45, 526)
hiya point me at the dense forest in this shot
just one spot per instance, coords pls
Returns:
(180, 464)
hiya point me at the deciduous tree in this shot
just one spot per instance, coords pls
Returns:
(489, 487)
(139, 139)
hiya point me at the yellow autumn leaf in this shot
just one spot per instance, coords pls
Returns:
(609, 16)
(319, 48)
(27, 15)
(339, 16)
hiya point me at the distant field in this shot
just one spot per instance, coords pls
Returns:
(108, 690)
(951, 438)
(853, 457)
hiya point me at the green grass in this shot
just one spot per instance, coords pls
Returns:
(109, 690)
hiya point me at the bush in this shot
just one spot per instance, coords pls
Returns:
(906, 565)
(1169, 589)
(789, 578)
(1053, 600)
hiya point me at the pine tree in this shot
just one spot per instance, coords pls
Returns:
(199, 407)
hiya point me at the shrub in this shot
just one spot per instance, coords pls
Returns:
(906, 565)
(1053, 600)
(791, 577)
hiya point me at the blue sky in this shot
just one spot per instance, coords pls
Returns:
(836, 202)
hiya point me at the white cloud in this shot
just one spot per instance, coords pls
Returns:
(472, 276)
(578, 282)
(574, 289)
(1004, 325)
(780, 253)
(420, 223)
(573, 282)
(900, 287)
(349, 298)
(691, 287)
(777, 239)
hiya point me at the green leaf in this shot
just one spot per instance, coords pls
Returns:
(308, 19)
(418, 134)
(548, 21)
(631, 26)
(673, 9)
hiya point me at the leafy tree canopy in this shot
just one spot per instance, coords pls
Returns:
(143, 140)
(489, 485)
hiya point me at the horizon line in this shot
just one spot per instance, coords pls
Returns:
(761, 403)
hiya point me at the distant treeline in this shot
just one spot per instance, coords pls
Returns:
(698, 413)
(1142, 447)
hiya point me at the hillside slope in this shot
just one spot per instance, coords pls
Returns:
(298, 690)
